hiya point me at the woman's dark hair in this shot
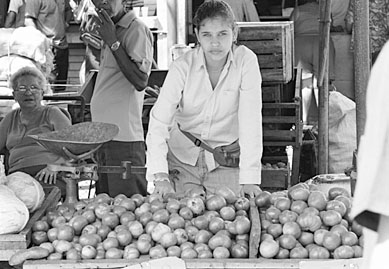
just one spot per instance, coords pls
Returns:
(212, 9)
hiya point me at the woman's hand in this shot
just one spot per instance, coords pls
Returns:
(47, 176)
(163, 188)
(250, 190)
(106, 27)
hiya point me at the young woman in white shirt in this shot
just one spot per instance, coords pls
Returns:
(214, 93)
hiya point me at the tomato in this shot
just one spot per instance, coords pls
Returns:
(203, 236)
(114, 253)
(318, 252)
(337, 206)
(299, 194)
(309, 222)
(78, 223)
(216, 224)
(272, 214)
(130, 252)
(215, 202)
(331, 240)
(65, 232)
(219, 240)
(39, 237)
(269, 249)
(339, 229)
(298, 253)
(263, 199)
(291, 228)
(200, 222)
(298, 206)
(168, 239)
(239, 251)
(227, 213)
(336, 191)
(306, 238)
(124, 237)
(287, 216)
(287, 241)
(110, 219)
(242, 204)
(318, 236)
(318, 200)
(274, 229)
(330, 217)
(221, 253)
(174, 251)
(282, 203)
(40, 225)
(349, 239)
(344, 252)
(188, 253)
(161, 216)
(282, 254)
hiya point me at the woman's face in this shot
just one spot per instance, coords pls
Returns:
(216, 37)
(28, 92)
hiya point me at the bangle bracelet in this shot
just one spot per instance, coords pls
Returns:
(162, 179)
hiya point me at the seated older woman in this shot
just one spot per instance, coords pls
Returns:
(25, 155)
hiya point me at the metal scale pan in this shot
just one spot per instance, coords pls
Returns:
(77, 141)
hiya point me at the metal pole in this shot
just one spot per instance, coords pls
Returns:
(325, 23)
(361, 61)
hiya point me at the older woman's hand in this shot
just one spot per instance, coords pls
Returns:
(47, 176)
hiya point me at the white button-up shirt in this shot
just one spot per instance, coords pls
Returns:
(219, 116)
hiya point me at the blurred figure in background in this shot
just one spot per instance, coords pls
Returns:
(378, 25)
(244, 10)
(52, 18)
(15, 16)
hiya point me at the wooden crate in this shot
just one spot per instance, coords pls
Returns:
(200, 264)
(11, 243)
(274, 179)
(273, 43)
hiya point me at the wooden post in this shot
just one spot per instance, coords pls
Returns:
(325, 22)
(361, 61)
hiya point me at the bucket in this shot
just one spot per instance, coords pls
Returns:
(325, 182)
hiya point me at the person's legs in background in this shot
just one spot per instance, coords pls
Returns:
(60, 68)
(112, 154)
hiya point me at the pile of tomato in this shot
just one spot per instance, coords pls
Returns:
(121, 227)
(304, 222)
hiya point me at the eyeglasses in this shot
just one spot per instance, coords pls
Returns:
(24, 89)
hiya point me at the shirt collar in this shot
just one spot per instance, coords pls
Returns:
(201, 61)
(127, 19)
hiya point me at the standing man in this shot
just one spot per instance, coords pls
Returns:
(125, 65)
(51, 17)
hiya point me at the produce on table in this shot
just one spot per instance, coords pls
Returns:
(14, 213)
(303, 222)
(197, 226)
(27, 189)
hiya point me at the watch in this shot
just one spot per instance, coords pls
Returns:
(115, 45)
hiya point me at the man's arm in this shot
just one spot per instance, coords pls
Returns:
(29, 21)
(10, 20)
(128, 67)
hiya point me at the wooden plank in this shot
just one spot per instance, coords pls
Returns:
(281, 105)
(255, 231)
(333, 264)
(264, 47)
(279, 134)
(279, 119)
(274, 75)
(270, 61)
(190, 264)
